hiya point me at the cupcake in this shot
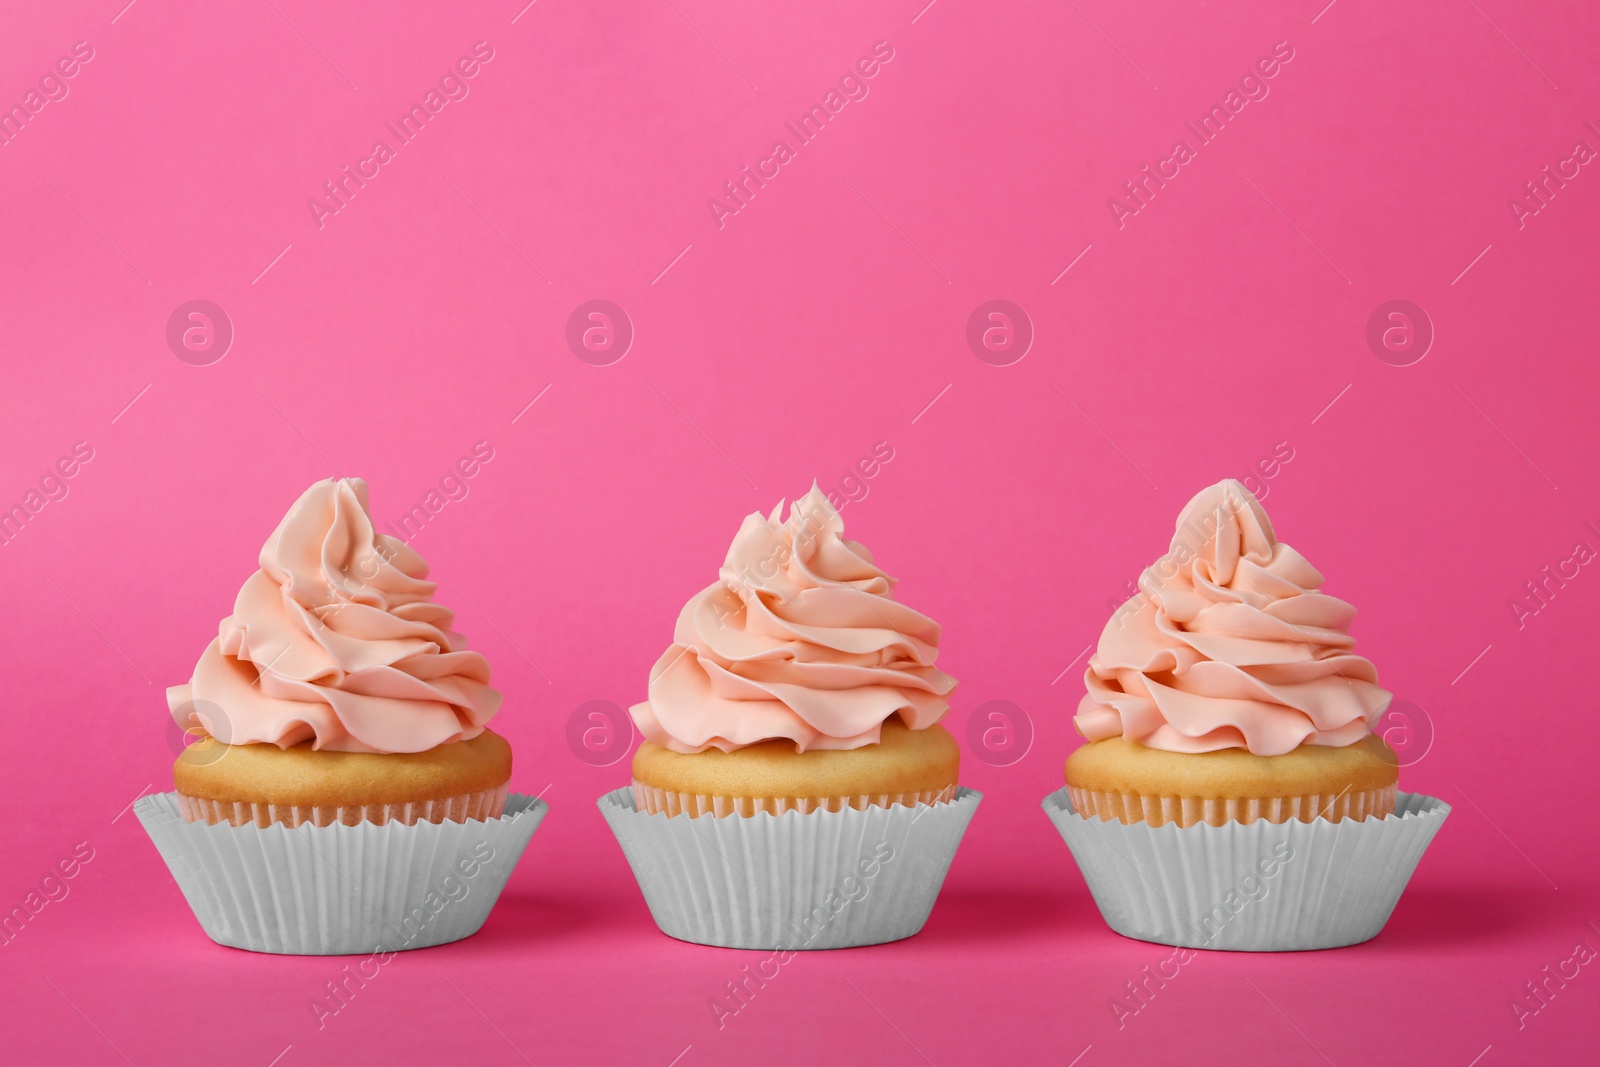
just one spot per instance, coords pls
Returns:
(794, 788)
(338, 714)
(1229, 727)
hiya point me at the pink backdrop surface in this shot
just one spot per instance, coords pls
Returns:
(1206, 329)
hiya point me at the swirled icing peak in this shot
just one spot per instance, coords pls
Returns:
(1230, 643)
(336, 640)
(800, 638)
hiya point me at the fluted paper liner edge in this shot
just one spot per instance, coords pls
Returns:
(1256, 887)
(797, 880)
(338, 889)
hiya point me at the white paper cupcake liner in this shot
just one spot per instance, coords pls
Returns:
(337, 890)
(1256, 887)
(812, 880)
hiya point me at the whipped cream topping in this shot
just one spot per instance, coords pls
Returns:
(799, 638)
(1230, 643)
(336, 640)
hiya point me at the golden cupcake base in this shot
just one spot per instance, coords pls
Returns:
(486, 804)
(1189, 811)
(653, 801)
(904, 767)
(262, 784)
(1121, 780)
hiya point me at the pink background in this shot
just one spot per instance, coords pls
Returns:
(826, 316)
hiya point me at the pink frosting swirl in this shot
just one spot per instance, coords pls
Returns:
(1230, 644)
(800, 638)
(335, 639)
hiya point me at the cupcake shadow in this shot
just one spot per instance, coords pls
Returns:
(1446, 915)
(990, 917)
(520, 918)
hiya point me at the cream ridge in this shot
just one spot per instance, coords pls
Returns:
(1230, 643)
(799, 638)
(336, 640)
